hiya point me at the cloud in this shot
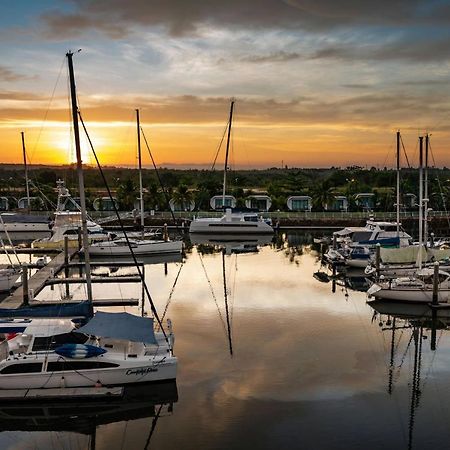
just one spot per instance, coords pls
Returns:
(186, 17)
(9, 75)
(280, 56)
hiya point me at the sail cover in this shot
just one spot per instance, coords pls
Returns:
(82, 309)
(120, 326)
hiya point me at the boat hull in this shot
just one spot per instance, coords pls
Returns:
(412, 295)
(240, 228)
(143, 373)
(148, 249)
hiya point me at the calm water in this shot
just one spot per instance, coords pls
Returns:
(309, 369)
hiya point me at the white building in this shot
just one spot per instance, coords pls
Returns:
(299, 203)
(259, 202)
(216, 202)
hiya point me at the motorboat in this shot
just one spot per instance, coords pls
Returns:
(67, 222)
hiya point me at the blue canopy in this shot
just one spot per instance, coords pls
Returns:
(120, 326)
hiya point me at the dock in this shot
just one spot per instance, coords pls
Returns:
(39, 280)
(62, 394)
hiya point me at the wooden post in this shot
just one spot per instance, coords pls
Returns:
(436, 284)
(26, 294)
(378, 259)
(165, 233)
(334, 241)
(79, 239)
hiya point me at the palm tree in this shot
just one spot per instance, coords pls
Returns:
(127, 194)
(182, 197)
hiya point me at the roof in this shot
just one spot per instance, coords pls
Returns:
(120, 326)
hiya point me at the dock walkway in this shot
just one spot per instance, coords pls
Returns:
(38, 281)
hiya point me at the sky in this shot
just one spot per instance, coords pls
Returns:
(317, 83)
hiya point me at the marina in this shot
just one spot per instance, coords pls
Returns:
(224, 225)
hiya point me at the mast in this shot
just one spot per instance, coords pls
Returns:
(76, 132)
(419, 256)
(226, 154)
(398, 184)
(26, 170)
(141, 193)
(425, 200)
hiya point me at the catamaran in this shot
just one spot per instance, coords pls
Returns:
(232, 222)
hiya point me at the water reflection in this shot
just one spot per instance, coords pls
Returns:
(87, 417)
(308, 368)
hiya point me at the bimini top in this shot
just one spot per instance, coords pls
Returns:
(120, 326)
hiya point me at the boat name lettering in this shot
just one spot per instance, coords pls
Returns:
(140, 371)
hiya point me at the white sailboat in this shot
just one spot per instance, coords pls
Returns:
(141, 247)
(111, 349)
(231, 222)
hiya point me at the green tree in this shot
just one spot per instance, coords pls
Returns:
(127, 194)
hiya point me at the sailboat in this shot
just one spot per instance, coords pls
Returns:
(110, 349)
(231, 222)
(21, 226)
(141, 247)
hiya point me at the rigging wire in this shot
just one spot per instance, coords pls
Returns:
(166, 195)
(220, 145)
(152, 305)
(404, 151)
(440, 187)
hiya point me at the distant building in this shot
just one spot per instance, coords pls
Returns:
(259, 202)
(365, 201)
(216, 202)
(105, 204)
(186, 206)
(36, 203)
(410, 201)
(299, 203)
(4, 204)
(339, 203)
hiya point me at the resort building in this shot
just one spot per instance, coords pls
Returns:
(4, 204)
(365, 201)
(340, 203)
(216, 202)
(104, 204)
(259, 202)
(185, 206)
(299, 203)
(409, 201)
(36, 203)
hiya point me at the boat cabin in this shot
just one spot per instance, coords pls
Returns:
(216, 202)
(259, 202)
(365, 201)
(299, 203)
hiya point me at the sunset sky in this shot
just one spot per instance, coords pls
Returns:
(316, 82)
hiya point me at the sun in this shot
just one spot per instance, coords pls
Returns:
(63, 143)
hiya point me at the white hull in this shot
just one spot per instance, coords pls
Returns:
(139, 373)
(359, 263)
(412, 295)
(150, 248)
(214, 226)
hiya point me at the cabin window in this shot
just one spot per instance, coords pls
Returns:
(251, 218)
(22, 368)
(60, 366)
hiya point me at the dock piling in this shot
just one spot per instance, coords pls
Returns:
(26, 294)
(436, 284)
